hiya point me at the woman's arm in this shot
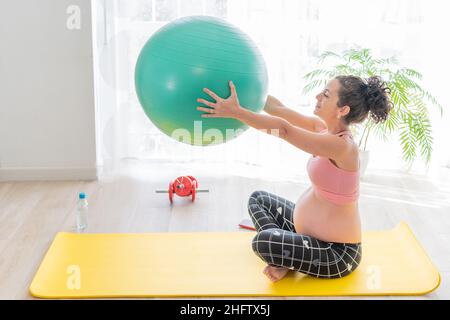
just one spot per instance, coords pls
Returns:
(276, 108)
(324, 145)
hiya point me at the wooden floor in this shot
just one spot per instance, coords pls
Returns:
(31, 213)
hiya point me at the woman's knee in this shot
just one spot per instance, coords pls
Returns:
(257, 197)
(253, 201)
(254, 196)
(261, 241)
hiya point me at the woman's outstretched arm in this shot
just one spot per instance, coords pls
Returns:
(275, 107)
(325, 145)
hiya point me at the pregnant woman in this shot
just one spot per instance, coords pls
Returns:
(320, 235)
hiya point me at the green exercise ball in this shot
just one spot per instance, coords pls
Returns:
(187, 55)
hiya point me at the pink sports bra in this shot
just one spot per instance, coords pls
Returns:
(337, 185)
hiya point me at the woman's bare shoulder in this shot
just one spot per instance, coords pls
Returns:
(319, 124)
(350, 160)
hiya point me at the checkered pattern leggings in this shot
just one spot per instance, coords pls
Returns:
(278, 244)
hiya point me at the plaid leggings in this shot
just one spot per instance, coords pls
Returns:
(278, 244)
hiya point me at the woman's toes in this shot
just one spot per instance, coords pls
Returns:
(266, 271)
(269, 272)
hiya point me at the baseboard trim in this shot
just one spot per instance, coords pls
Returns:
(47, 174)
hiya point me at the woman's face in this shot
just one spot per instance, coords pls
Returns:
(326, 107)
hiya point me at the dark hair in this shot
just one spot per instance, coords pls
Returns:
(364, 96)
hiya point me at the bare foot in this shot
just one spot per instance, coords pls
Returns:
(275, 273)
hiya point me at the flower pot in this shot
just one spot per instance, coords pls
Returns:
(363, 161)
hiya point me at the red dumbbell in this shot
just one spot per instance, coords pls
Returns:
(183, 186)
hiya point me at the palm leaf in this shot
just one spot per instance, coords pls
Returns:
(413, 73)
(430, 98)
(315, 74)
(327, 54)
(318, 83)
(423, 128)
(407, 139)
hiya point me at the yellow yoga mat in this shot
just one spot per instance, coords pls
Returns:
(219, 264)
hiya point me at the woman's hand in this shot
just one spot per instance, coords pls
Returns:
(222, 108)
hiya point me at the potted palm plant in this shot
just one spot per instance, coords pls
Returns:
(410, 113)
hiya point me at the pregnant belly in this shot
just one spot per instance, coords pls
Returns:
(318, 218)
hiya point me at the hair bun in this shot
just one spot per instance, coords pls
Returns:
(365, 97)
(377, 99)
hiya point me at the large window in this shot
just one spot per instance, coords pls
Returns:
(290, 34)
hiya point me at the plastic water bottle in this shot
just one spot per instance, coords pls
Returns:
(82, 212)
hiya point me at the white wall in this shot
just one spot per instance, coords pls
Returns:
(47, 120)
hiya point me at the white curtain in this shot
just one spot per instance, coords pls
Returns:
(290, 34)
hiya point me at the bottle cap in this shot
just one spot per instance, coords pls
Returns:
(82, 195)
